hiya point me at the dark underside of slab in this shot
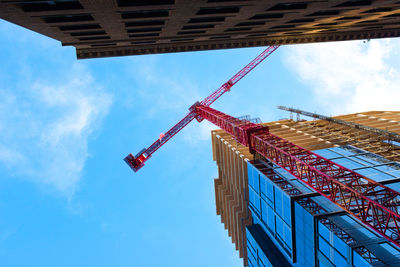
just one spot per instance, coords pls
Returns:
(105, 28)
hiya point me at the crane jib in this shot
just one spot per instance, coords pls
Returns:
(137, 162)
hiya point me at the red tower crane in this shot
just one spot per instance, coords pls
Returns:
(375, 205)
(137, 162)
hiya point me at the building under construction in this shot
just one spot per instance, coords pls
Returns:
(275, 219)
(105, 28)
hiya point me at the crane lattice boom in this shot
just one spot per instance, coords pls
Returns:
(137, 162)
(374, 204)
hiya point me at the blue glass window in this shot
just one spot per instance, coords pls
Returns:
(263, 188)
(256, 177)
(386, 168)
(264, 211)
(395, 173)
(323, 231)
(257, 203)
(271, 219)
(328, 153)
(368, 161)
(359, 261)
(278, 202)
(250, 177)
(286, 209)
(324, 261)
(394, 186)
(287, 236)
(261, 263)
(368, 172)
(265, 260)
(251, 260)
(270, 193)
(267, 190)
(383, 176)
(351, 164)
(340, 246)
(339, 260)
(324, 247)
(253, 179)
(254, 200)
(279, 227)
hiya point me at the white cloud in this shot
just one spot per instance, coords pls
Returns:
(161, 89)
(165, 94)
(44, 129)
(199, 132)
(10, 157)
(350, 76)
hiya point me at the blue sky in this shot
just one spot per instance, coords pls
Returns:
(66, 196)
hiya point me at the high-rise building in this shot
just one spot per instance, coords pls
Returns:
(105, 28)
(274, 219)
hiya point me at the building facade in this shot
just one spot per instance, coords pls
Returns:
(105, 28)
(291, 224)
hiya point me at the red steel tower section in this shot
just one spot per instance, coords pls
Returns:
(374, 204)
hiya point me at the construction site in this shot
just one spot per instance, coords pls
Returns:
(308, 190)
(303, 193)
(295, 223)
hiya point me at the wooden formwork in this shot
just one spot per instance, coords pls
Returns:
(338, 134)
